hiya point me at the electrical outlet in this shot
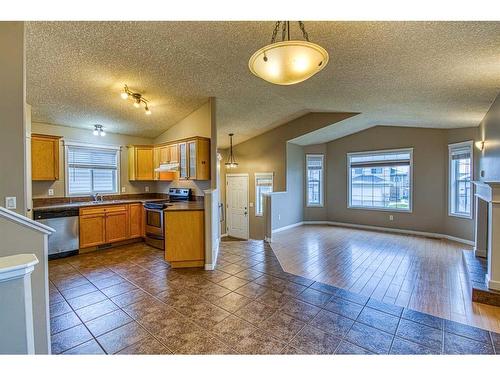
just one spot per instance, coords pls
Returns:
(51, 192)
(10, 203)
(123, 189)
(391, 217)
(146, 189)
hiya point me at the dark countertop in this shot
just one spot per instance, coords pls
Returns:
(91, 204)
(186, 206)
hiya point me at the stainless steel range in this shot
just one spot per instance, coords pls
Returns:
(155, 228)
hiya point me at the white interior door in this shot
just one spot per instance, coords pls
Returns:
(237, 205)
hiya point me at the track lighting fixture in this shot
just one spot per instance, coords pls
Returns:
(138, 99)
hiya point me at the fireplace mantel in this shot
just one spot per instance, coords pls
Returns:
(487, 228)
(488, 190)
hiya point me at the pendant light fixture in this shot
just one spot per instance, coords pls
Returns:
(231, 161)
(288, 62)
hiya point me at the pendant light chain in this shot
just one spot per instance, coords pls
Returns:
(304, 32)
(285, 31)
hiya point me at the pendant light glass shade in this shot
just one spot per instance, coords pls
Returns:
(288, 62)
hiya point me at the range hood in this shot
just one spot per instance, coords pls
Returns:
(168, 167)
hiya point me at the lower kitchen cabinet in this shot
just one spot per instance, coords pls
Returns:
(117, 224)
(108, 224)
(136, 220)
(92, 228)
(185, 238)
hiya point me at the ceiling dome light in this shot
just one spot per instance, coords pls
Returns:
(290, 61)
(99, 130)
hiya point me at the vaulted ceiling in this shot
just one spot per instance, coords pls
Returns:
(427, 74)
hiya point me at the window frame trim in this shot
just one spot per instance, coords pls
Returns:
(118, 150)
(451, 146)
(322, 185)
(256, 176)
(384, 151)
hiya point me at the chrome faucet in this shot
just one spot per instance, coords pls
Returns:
(96, 197)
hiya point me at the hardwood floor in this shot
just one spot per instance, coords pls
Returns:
(420, 273)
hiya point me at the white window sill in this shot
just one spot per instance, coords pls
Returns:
(462, 216)
(381, 209)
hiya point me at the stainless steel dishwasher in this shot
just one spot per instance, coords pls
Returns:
(66, 240)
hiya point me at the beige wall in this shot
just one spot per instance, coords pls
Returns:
(489, 132)
(267, 153)
(430, 179)
(198, 123)
(12, 102)
(40, 188)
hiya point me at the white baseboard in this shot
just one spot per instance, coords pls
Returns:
(492, 284)
(393, 230)
(277, 230)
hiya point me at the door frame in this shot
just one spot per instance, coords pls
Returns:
(248, 200)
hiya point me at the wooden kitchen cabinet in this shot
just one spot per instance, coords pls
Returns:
(108, 224)
(92, 227)
(44, 157)
(192, 155)
(199, 159)
(185, 238)
(141, 163)
(136, 220)
(117, 226)
(183, 160)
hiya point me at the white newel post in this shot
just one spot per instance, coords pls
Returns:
(16, 306)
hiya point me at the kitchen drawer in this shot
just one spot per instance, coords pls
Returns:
(120, 208)
(92, 211)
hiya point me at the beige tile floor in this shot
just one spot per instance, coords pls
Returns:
(127, 300)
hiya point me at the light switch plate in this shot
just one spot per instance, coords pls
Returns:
(51, 192)
(251, 204)
(146, 189)
(123, 189)
(10, 203)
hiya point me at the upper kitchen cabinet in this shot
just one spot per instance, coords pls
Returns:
(141, 163)
(199, 159)
(191, 156)
(194, 159)
(165, 154)
(44, 157)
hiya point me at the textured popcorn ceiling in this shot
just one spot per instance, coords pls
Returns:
(429, 74)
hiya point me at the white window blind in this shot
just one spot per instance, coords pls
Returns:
(380, 179)
(460, 186)
(314, 166)
(92, 170)
(263, 184)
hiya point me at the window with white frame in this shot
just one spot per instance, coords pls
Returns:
(263, 184)
(91, 170)
(314, 171)
(380, 180)
(460, 186)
